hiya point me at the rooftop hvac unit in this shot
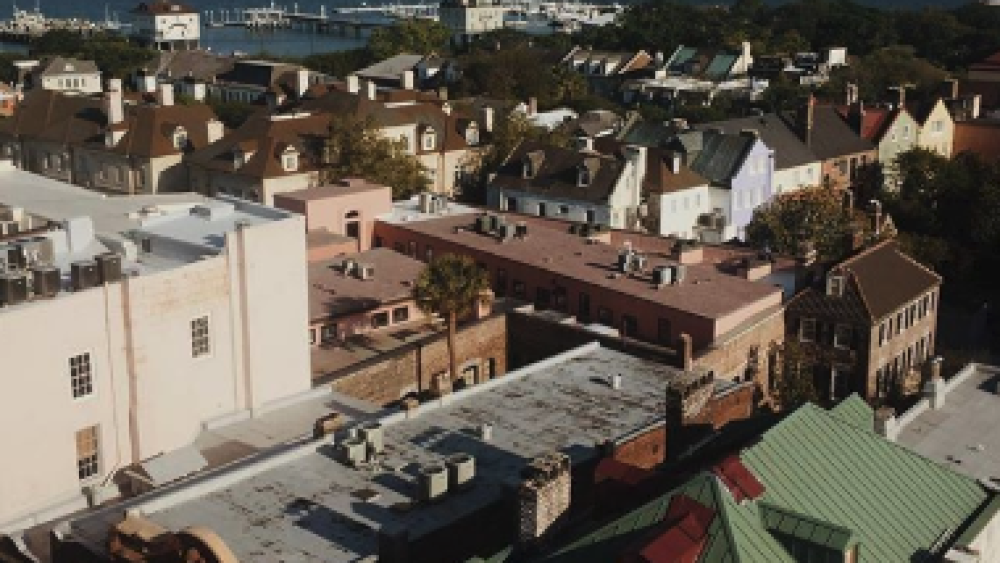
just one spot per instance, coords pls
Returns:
(639, 262)
(36, 250)
(365, 271)
(433, 482)
(461, 471)
(507, 231)
(483, 223)
(663, 275)
(13, 289)
(372, 434)
(680, 272)
(347, 266)
(352, 451)
(426, 202)
(84, 275)
(521, 231)
(46, 281)
(109, 267)
(495, 222)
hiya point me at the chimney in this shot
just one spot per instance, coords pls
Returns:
(584, 143)
(856, 116)
(685, 347)
(675, 162)
(852, 94)
(353, 83)
(215, 130)
(147, 83)
(936, 387)
(114, 105)
(532, 106)
(443, 93)
(446, 108)
(543, 497)
(165, 94)
(876, 215)
(807, 118)
(687, 395)
(484, 305)
(977, 104)
(302, 81)
(900, 100)
(409, 80)
(950, 88)
(371, 90)
(488, 118)
(885, 423)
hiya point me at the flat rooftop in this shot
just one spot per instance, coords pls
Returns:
(962, 433)
(309, 507)
(709, 291)
(178, 228)
(333, 293)
(344, 187)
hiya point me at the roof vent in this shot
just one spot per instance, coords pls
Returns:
(616, 381)
(486, 431)
(372, 434)
(365, 271)
(433, 482)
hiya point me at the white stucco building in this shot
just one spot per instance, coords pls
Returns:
(62, 74)
(469, 18)
(166, 25)
(129, 325)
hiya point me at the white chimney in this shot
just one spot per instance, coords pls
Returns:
(408, 80)
(215, 130)
(302, 81)
(532, 107)
(675, 163)
(371, 89)
(446, 108)
(353, 83)
(147, 83)
(488, 118)
(166, 94)
(936, 388)
(113, 102)
(977, 104)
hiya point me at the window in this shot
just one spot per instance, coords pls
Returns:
(542, 210)
(663, 331)
(180, 138)
(881, 334)
(380, 320)
(501, 285)
(543, 298)
(81, 375)
(200, 338)
(564, 210)
(328, 333)
(843, 335)
(583, 313)
(605, 316)
(630, 326)
(472, 135)
(807, 330)
(412, 249)
(377, 242)
(428, 253)
(400, 314)
(583, 177)
(511, 204)
(290, 162)
(591, 216)
(428, 139)
(87, 453)
(528, 169)
(899, 322)
(519, 289)
(312, 337)
(835, 286)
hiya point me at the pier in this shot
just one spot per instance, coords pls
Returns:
(26, 25)
(356, 22)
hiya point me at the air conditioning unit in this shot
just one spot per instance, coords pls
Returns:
(352, 451)
(372, 434)
(433, 482)
(365, 271)
(663, 275)
(461, 471)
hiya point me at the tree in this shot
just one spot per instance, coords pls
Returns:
(232, 113)
(112, 53)
(356, 148)
(339, 63)
(818, 215)
(449, 286)
(417, 36)
(794, 374)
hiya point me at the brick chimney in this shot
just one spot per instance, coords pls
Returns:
(806, 119)
(543, 497)
(687, 395)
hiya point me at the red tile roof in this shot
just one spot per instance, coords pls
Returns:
(738, 479)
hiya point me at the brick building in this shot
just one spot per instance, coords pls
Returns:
(874, 319)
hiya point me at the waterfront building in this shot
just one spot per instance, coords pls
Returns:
(166, 25)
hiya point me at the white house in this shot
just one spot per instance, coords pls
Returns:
(469, 18)
(62, 75)
(128, 325)
(166, 25)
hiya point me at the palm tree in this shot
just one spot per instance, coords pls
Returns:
(449, 286)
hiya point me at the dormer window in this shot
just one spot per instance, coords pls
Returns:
(180, 138)
(835, 286)
(528, 169)
(241, 157)
(583, 176)
(428, 140)
(472, 135)
(290, 160)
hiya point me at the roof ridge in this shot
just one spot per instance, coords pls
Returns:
(723, 511)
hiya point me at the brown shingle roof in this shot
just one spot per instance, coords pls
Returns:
(556, 172)
(150, 129)
(660, 178)
(47, 115)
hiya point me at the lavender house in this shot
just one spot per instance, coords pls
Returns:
(740, 171)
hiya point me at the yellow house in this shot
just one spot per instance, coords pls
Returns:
(935, 126)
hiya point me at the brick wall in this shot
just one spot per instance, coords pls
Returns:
(719, 411)
(646, 450)
(730, 358)
(410, 368)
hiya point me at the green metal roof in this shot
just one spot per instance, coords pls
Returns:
(896, 502)
(856, 412)
(830, 481)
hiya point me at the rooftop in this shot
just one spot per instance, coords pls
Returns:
(79, 224)
(305, 504)
(961, 434)
(708, 291)
(334, 293)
